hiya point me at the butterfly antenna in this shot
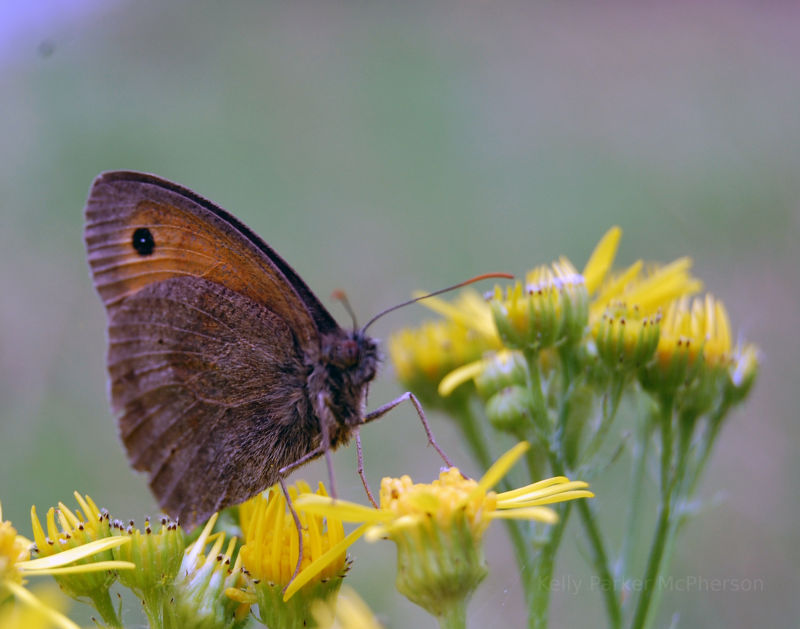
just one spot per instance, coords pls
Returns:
(477, 278)
(341, 296)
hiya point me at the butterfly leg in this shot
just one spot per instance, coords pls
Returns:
(363, 476)
(326, 420)
(381, 411)
(299, 527)
(282, 474)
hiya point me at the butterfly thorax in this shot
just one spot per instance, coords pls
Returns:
(348, 362)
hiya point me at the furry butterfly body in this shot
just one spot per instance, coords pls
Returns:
(225, 370)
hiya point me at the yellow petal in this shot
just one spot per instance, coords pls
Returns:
(601, 259)
(29, 599)
(319, 564)
(343, 510)
(240, 596)
(499, 469)
(459, 376)
(541, 514)
(73, 554)
(98, 566)
(547, 500)
(537, 486)
(542, 492)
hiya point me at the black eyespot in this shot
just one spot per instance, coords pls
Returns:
(143, 241)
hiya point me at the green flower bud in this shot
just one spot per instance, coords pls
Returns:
(500, 371)
(509, 410)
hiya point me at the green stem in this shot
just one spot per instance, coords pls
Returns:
(542, 573)
(533, 461)
(644, 609)
(454, 616)
(640, 618)
(102, 603)
(615, 393)
(539, 410)
(470, 425)
(666, 448)
(154, 610)
(601, 564)
(685, 481)
(599, 554)
(632, 524)
(715, 422)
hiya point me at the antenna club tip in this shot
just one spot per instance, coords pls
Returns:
(338, 295)
(486, 276)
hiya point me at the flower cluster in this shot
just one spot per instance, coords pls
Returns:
(571, 345)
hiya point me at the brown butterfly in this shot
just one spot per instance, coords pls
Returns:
(226, 371)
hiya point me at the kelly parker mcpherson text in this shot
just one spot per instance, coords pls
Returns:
(689, 583)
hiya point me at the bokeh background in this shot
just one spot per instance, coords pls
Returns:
(386, 147)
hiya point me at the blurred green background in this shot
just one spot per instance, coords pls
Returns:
(387, 147)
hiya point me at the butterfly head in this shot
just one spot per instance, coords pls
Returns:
(354, 354)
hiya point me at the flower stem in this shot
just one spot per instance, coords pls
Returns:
(542, 574)
(638, 468)
(601, 564)
(641, 616)
(615, 394)
(102, 603)
(539, 410)
(454, 616)
(644, 610)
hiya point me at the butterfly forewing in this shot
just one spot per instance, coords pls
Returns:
(141, 230)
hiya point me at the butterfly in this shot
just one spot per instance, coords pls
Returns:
(226, 372)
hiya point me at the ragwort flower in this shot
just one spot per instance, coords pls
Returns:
(271, 550)
(551, 308)
(59, 558)
(422, 356)
(438, 527)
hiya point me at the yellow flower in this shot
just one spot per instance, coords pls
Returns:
(550, 308)
(345, 611)
(626, 339)
(271, 550)
(405, 504)
(16, 567)
(438, 526)
(68, 530)
(423, 355)
(45, 615)
(695, 358)
(694, 335)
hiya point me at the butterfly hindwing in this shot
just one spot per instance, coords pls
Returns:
(205, 383)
